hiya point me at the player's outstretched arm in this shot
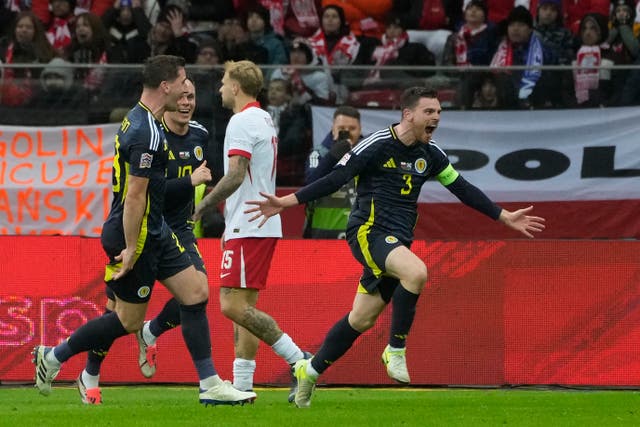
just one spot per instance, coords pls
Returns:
(269, 206)
(520, 221)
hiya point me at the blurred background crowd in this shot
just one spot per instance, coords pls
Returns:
(77, 61)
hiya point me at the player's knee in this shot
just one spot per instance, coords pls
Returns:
(421, 275)
(362, 322)
(230, 308)
(132, 325)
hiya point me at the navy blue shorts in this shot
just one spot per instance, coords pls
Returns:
(159, 259)
(371, 248)
(190, 244)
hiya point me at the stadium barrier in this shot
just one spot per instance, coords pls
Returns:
(494, 312)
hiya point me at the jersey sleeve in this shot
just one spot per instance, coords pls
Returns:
(241, 138)
(350, 165)
(143, 149)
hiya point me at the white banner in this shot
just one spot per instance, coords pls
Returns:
(526, 156)
(55, 180)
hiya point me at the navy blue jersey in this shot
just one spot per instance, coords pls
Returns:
(140, 150)
(186, 153)
(389, 178)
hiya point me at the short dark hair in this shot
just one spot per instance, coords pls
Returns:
(160, 68)
(347, 110)
(412, 96)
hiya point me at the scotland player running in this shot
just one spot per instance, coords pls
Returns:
(392, 165)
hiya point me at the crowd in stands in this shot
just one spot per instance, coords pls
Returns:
(69, 39)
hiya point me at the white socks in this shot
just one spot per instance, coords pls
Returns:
(287, 349)
(90, 381)
(243, 370)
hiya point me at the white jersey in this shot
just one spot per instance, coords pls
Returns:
(251, 134)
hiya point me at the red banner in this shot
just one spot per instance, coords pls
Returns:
(494, 312)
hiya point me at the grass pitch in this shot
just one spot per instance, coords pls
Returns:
(178, 406)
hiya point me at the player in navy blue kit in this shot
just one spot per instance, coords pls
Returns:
(391, 166)
(186, 170)
(140, 245)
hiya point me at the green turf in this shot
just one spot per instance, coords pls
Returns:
(177, 406)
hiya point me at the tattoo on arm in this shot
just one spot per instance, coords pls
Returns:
(229, 183)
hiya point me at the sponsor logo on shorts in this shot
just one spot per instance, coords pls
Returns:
(391, 239)
(223, 275)
(145, 160)
(144, 291)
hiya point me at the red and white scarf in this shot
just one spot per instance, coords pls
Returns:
(59, 34)
(462, 39)
(343, 53)
(388, 51)
(304, 11)
(95, 76)
(586, 79)
(504, 58)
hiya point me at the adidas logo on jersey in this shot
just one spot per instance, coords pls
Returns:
(390, 164)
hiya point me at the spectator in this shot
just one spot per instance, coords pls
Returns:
(575, 10)
(169, 35)
(261, 34)
(430, 14)
(237, 44)
(308, 85)
(128, 29)
(557, 44)
(396, 49)
(485, 91)
(365, 17)
(520, 46)
(293, 124)
(60, 101)
(210, 113)
(592, 86)
(206, 15)
(624, 45)
(89, 46)
(476, 40)
(290, 19)
(27, 44)
(97, 7)
(334, 44)
(58, 17)
(8, 11)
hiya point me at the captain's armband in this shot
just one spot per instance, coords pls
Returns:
(448, 175)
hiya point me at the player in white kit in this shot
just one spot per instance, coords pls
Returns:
(251, 148)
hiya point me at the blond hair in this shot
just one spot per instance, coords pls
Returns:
(247, 74)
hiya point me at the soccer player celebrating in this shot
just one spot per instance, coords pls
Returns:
(251, 145)
(392, 165)
(186, 169)
(140, 245)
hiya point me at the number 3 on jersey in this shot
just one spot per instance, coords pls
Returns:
(408, 185)
(227, 260)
